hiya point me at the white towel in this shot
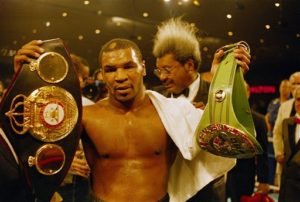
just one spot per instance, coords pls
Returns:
(193, 168)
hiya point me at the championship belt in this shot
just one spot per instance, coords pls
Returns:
(227, 128)
(41, 115)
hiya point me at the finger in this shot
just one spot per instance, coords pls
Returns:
(80, 161)
(216, 61)
(243, 58)
(242, 54)
(79, 154)
(30, 51)
(19, 60)
(80, 165)
(243, 65)
(74, 172)
(243, 48)
(34, 43)
(219, 54)
(82, 174)
(77, 170)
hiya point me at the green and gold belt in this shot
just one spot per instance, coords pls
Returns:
(227, 128)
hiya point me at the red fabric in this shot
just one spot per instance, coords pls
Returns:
(257, 197)
(297, 120)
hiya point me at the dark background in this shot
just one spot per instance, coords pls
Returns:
(275, 51)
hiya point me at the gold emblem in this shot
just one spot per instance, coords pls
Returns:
(49, 113)
(51, 67)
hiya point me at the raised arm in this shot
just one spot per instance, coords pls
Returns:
(27, 52)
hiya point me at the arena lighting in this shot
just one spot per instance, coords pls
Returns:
(268, 26)
(116, 19)
(263, 89)
(230, 33)
(196, 3)
(145, 14)
(80, 37)
(97, 31)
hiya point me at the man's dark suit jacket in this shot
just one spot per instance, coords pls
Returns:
(12, 185)
(202, 94)
(241, 179)
(290, 178)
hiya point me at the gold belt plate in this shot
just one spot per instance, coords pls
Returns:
(49, 113)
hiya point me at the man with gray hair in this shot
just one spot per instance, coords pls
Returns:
(177, 51)
(285, 110)
(290, 188)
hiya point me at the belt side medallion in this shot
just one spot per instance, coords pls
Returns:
(51, 67)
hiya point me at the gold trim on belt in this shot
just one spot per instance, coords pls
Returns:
(49, 113)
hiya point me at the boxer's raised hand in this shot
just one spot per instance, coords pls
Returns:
(27, 52)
